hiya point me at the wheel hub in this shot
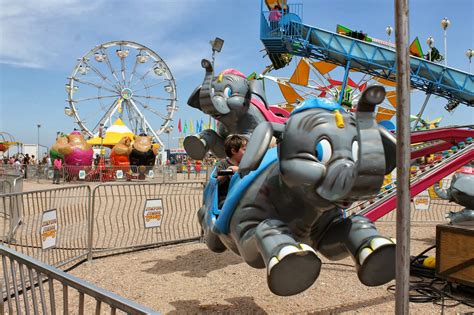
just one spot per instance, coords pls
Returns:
(126, 93)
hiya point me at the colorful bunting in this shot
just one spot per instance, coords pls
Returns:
(180, 129)
(191, 126)
(185, 130)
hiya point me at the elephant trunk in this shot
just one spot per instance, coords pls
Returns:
(442, 193)
(205, 93)
(206, 97)
(349, 181)
(371, 160)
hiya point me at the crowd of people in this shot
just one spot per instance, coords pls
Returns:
(22, 161)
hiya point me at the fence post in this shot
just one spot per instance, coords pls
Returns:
(90, 220)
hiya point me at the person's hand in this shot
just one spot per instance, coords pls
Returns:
(233, 168)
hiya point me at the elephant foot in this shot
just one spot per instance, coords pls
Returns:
(377, 262)
(293, 270)
(195, 147)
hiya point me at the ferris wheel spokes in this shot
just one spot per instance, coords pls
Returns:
(104, 78)
(149, 108)
(93, 84)
(111, 68)
(144, 120)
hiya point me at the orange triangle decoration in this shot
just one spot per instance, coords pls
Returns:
(384, 114)
(289, 94)
(386, 82)
(301, 74)
(323, 67)
(392, 98)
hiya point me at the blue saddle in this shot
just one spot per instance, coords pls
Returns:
(237, 187)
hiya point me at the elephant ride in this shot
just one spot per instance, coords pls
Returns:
(239, 104)
(285, 205)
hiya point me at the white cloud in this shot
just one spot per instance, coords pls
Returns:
(34, 33)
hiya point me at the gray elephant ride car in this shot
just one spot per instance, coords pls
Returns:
(286, 204)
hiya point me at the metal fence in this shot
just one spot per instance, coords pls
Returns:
(24, 215)
(32, 287)
(120, 217)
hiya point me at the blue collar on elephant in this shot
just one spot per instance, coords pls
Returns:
(318, 102)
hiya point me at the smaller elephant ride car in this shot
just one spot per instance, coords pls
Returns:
(286, 204)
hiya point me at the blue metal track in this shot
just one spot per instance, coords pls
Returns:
(298, 39)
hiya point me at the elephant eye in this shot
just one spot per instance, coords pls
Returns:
(228, 91)
(355, 150)
(323, 150)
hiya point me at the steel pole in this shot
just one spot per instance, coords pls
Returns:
(37, 154)
(403, 159)
(445, 48)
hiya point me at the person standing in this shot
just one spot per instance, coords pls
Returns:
(58, 166)
(274, 17)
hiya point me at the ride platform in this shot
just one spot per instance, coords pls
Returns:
(295, 38)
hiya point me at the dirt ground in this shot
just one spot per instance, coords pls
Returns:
(189, 278)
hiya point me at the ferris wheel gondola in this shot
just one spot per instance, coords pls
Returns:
(126, 80)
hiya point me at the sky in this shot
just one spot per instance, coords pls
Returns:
(41, 40)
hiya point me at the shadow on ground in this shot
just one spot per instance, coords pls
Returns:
(356, 306)
(238, 305)
(197, 263)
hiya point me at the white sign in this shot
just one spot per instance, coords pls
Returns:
(119, 174)
(153, 213)
(151, 173)
(50, 174)
(82, 174)
(422, 201)
(49, 229)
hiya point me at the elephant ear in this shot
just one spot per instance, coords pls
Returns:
(256, 148)
(390, 148)
(256, 88)
(193, 100)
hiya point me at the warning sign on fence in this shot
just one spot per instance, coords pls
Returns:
(422, 201)
(153, 213)
(82, 174)
(49, 229)
(119, 174)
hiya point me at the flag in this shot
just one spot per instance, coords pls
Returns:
(180, 129)
(191, 127)
(197, 126)
(201, 125)
(185, 130)
(214, 127)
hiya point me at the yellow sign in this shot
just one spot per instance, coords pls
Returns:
(49, 229)
(153, 213)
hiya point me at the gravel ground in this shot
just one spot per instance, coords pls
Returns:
(189, 278)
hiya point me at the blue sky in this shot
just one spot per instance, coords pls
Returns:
(41, 40)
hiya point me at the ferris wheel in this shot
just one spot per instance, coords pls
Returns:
(126, 80)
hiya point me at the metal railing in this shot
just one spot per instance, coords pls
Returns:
(22, 219)
(33, 287)
(119, 215)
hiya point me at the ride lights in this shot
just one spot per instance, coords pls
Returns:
(170, 108)
(83, 69)
(99, 57)
(142, 58)
(158, 69)
(168, 88)
(68, 111)
(68, 88)
(122, 54)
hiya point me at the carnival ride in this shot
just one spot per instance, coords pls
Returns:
(322, 51)
(6, 141)
(126, 80)
(312, 176)
(374, 59)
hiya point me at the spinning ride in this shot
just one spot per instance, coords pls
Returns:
(126, 80)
